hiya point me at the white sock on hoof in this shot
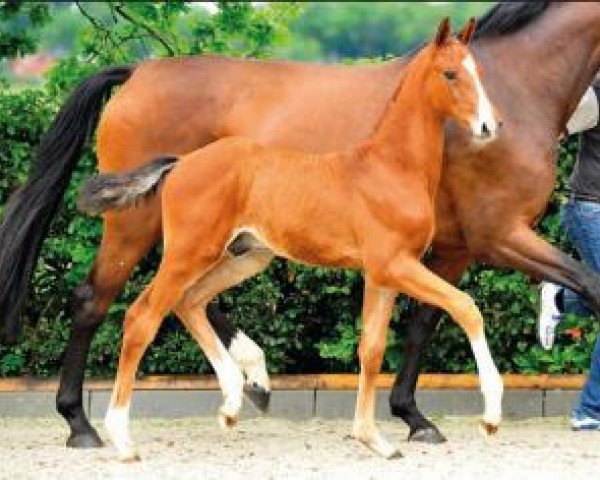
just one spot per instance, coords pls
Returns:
(490, 380)
(231, 381)
(251, 359)
(116, 422)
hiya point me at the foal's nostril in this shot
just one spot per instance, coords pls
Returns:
(500, 123)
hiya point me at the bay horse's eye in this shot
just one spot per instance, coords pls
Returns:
(450, 74)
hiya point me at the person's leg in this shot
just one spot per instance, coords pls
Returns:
(581, 221)
(586, 414)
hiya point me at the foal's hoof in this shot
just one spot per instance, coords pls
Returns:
(427, 435)
(226, 422)
(259, 396)
(130, 457)
(380, 446)
(85, 440)
(386, 451)
(488, 429)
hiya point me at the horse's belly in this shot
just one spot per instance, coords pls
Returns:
(305, 240)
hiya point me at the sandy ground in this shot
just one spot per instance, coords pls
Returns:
(267, 448)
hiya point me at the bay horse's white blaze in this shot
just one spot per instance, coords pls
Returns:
(490, 381)
(484, 125)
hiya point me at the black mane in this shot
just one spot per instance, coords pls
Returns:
(504, 18)
(508, 17)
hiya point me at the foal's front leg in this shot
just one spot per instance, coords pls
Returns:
(411, 277)
(378, 303)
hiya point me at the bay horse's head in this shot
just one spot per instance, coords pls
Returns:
(454, 84)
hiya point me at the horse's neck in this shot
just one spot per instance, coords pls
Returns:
(411, 130)
(555, 58)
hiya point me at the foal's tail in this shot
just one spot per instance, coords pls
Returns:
(28, 213)
(118, 191)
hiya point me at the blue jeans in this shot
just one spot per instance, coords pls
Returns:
(581, 221)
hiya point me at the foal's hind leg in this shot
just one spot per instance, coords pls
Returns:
(378, 303)
(141, 324)
(127, 237)
(192, 311)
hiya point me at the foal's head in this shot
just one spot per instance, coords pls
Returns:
(453, 82)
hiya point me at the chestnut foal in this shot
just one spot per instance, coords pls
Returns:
(228, 208)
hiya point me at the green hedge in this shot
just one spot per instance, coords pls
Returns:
(305, 318)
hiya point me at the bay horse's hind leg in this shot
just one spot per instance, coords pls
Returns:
(142, 321)
(127, 236)
(378, 303)
(230, 271)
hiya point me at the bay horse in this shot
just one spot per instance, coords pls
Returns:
(230, 207)
(488, 201)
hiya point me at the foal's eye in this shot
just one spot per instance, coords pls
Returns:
(450, 74)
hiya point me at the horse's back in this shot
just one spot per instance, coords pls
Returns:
(174, 106)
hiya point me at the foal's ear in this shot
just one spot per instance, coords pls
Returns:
(443, 32)
(467, 31)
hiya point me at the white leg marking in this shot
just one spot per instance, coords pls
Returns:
(231, 381)
(490, 380)
(251, 359)
(485, 114)
(116, 422)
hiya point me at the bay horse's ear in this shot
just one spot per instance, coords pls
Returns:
(467, 31)
(443, 32)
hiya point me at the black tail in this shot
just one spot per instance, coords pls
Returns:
(29, 211)
(117, 191)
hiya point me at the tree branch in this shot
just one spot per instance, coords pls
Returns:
(153, 33)
(97, 25)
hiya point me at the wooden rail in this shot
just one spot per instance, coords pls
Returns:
(307, 382)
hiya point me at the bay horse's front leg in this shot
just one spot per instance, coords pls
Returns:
(378, 303)
(421, 326)
(449, 264)
(409, 276)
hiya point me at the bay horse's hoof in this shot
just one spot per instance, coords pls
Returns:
(259, 396)
(429, 435)
(488, 429)
(85, 440)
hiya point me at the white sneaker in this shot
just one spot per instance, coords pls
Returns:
(549, 316)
